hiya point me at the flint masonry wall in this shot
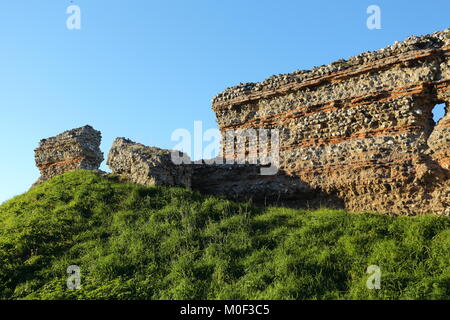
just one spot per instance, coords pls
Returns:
(146, 165)
(71, 150)
(360, 129)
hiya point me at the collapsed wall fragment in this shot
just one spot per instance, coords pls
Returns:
(147, 166)
(71, 150)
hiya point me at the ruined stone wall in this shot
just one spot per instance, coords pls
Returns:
(148, 166)
(360, 129)
(71, 150)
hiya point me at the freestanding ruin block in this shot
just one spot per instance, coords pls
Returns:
(71, 150)
(148, 166)
(362, 128)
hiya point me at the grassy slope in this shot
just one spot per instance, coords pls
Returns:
(133, 242)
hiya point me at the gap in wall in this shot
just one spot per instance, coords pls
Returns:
(438, 112)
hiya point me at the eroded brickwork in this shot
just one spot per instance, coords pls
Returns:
(360, 129)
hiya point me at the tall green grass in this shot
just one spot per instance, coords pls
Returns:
(133, 242)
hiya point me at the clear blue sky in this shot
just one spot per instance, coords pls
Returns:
(143, 68)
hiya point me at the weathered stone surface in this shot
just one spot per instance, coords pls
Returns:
(71, 150)
(243, 181)
(361, 129)
(147, 166)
